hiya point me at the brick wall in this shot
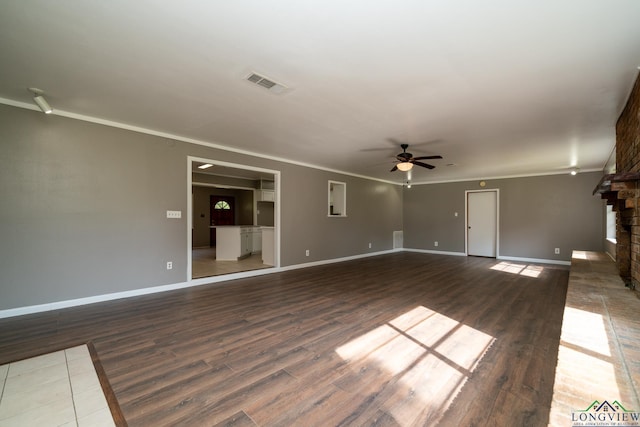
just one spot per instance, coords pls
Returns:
(628, 219)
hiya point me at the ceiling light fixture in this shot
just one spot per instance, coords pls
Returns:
(574, 171)
(39, 99)
(405, 166)
(408, 184)
(205, 166)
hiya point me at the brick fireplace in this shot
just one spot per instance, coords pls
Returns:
(622, 190)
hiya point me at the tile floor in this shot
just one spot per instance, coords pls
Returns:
(55, 389)
(204, 264)
(599, 354)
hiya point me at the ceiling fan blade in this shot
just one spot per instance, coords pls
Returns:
(395, 168)
(427, 157)
(424, 165)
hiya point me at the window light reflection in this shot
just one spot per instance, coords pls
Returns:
(579, 255)
(586, 330)
(433, 354)
(523, 270)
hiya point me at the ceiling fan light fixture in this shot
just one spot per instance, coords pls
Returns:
(405, 166)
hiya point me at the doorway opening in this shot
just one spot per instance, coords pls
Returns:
(228, 229)
(482, 223)
(221, 212)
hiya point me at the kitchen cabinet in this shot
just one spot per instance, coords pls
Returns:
(268, 247)
(265, 196)
(235, 242)
(256, 240)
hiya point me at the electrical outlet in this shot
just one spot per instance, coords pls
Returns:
(169, 265)
(306, 253)
(369, 245)
(174, 214)
(435, 244)
(557, 251)
(455, 214)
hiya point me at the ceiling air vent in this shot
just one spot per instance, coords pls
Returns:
(266, 83)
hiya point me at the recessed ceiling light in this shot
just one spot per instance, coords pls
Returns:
(205, 166)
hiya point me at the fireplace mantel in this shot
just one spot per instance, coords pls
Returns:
(620, 189)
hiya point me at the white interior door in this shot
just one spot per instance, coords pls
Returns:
(482, 214)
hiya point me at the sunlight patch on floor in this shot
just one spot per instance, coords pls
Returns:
(523, 270)
(579, 255)
(598, 352)
(433, 355)
(585, 355)
(586, 330)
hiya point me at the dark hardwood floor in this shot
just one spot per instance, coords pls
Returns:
(395, 340)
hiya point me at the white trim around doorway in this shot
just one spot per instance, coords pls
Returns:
(466, 218)
(276, 176)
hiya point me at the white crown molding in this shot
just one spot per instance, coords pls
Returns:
(218, 146)
(489, 178)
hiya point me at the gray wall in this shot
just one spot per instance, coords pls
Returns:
(537, 214)
(83, 211)
(374, 211)
(84, 206)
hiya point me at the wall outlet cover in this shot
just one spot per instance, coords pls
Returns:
(174, 214)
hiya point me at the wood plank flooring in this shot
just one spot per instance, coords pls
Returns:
(404, 339)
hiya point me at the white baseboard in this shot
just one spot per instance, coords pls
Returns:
(427, 251)
(534, 260)
(334, 260)
(40, 308)
(32, 309)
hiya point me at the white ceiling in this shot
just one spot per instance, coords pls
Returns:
(498, 88)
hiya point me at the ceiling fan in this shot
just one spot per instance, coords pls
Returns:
(406, 160)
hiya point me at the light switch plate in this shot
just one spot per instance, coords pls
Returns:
(174, 214)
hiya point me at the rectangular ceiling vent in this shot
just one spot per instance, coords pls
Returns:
(266, 83)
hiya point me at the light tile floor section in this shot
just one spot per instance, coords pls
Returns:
(599, 354)
(55, 389)
(204, 264)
